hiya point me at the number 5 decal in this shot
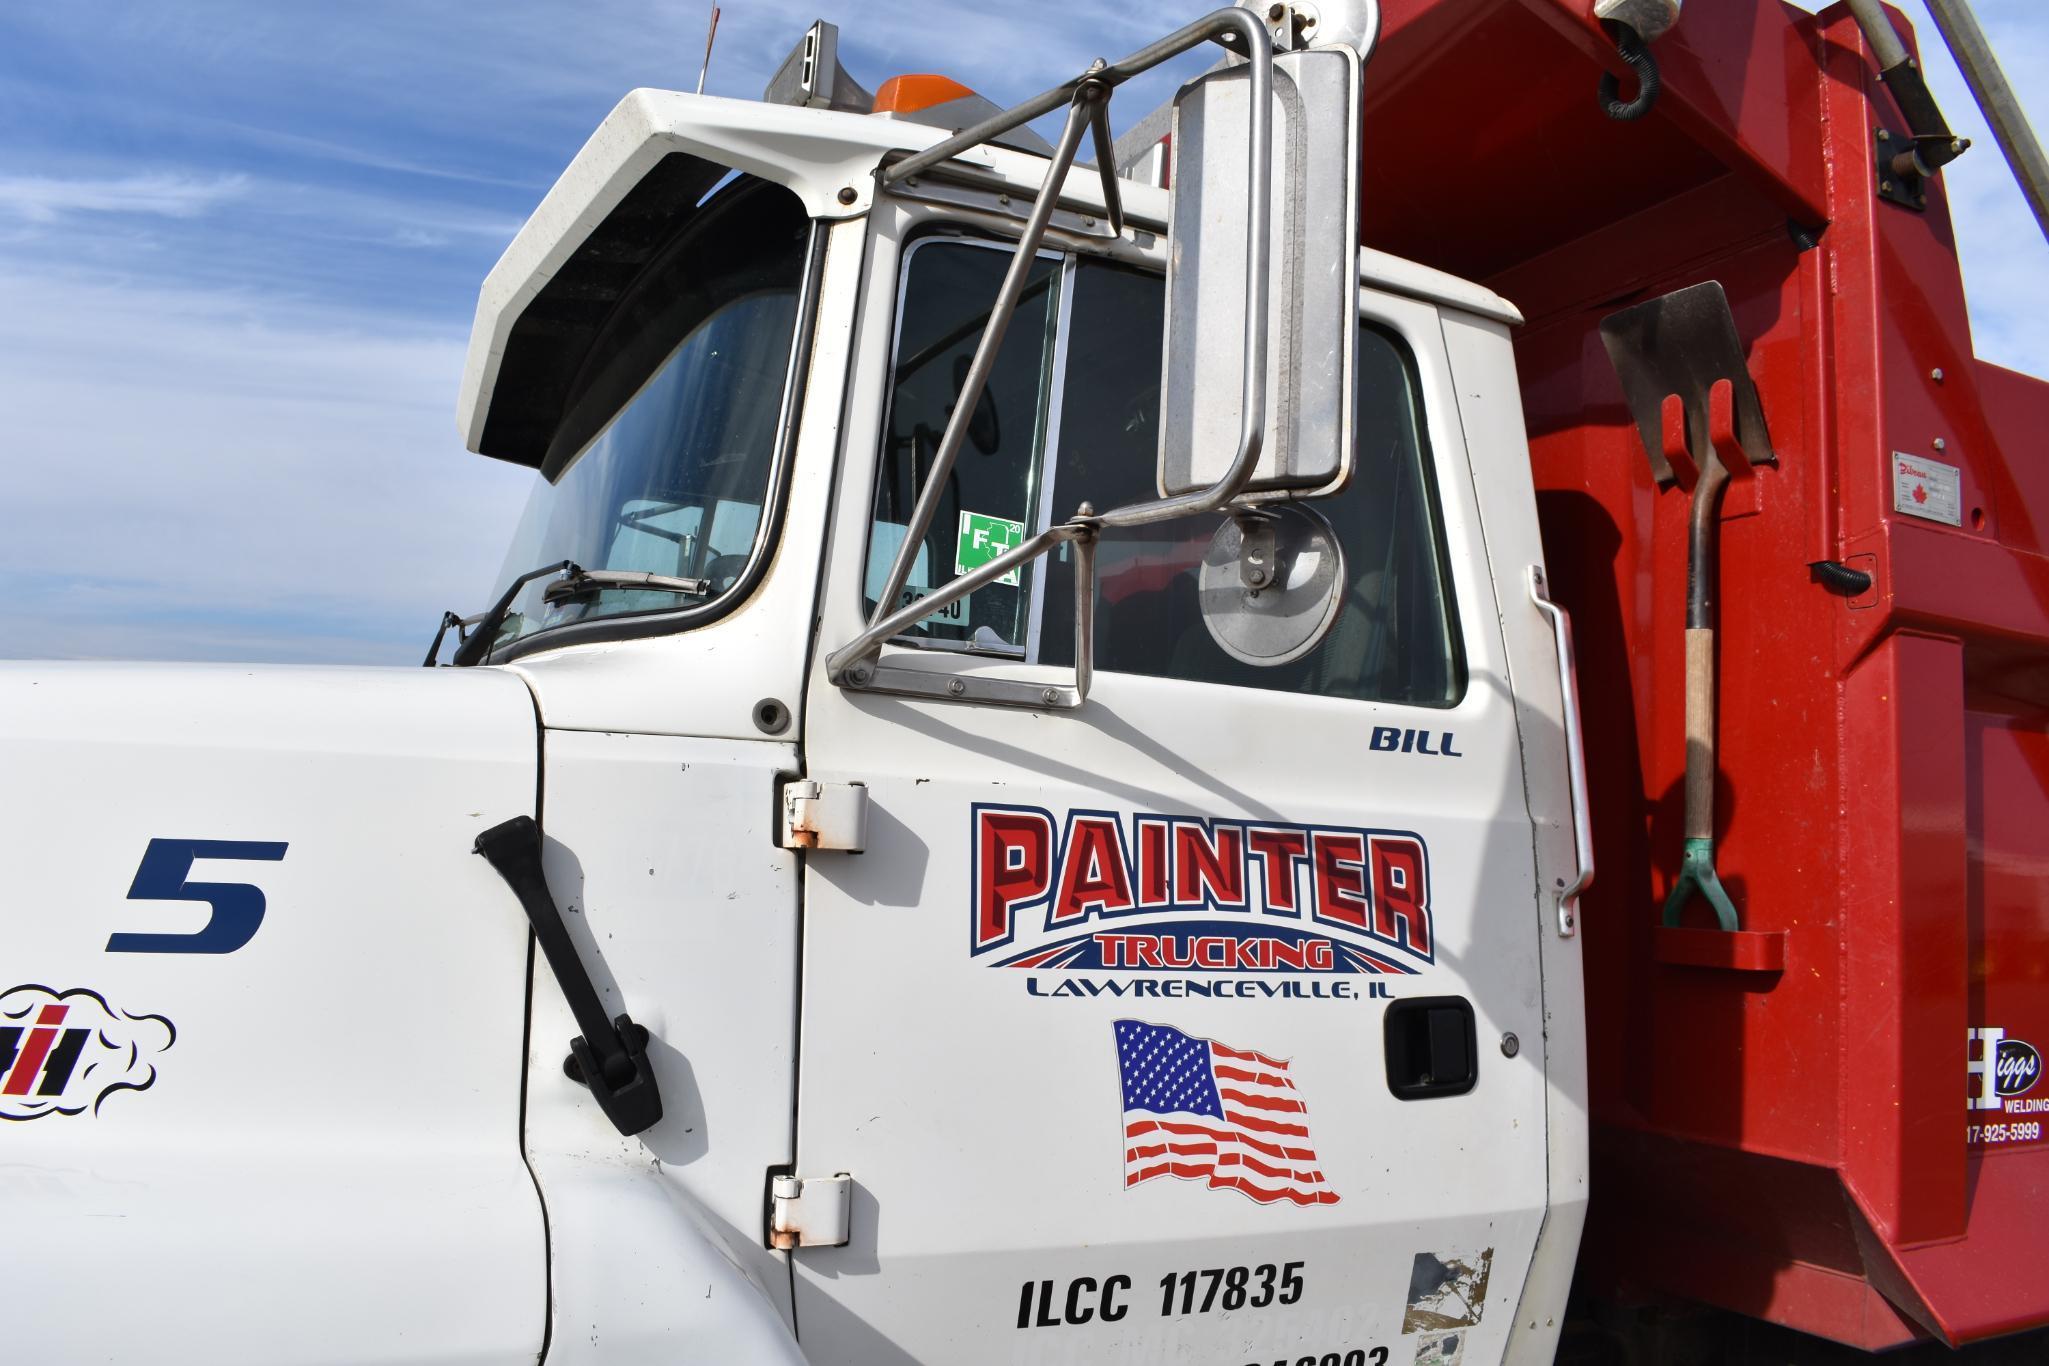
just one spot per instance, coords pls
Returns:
(237, 906)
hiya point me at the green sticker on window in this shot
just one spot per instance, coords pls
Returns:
(982, 539)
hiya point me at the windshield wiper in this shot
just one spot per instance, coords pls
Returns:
(577, 582)
(477, 648)
(581, 583)
(462, 627)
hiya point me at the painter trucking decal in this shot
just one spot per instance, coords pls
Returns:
(66, 1052)
(1102, 891)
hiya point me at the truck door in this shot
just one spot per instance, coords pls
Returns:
(1175, 1026)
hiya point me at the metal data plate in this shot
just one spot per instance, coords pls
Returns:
(1314, 239)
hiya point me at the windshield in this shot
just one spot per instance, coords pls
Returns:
(686, 395)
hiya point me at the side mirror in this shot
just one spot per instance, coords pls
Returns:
(1311, 319)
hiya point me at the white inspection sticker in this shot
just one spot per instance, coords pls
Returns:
(1927, 488)
(954, 613)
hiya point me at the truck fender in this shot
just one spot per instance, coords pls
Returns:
(637, 1277)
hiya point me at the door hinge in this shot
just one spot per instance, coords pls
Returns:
(808, 1211)
(825, 815)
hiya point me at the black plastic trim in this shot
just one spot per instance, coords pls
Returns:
(549, 344)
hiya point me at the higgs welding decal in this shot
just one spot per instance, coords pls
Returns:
(2003, 1070)
(1157, 894)
(65, 1052)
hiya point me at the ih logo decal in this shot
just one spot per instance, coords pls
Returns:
(62, 1053)
(1155, 893)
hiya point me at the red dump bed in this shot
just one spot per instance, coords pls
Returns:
(1798, 1144)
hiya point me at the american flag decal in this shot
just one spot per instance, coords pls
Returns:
(1202, 1111)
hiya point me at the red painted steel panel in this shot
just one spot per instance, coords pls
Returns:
(1726, 950)
(1485, 145)
(1904, 867)
(1791, 1143)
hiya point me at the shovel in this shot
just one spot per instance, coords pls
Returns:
(1690, 391)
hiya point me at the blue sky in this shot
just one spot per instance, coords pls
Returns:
(239, 251)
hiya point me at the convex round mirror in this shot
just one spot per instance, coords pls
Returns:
(1272, 583)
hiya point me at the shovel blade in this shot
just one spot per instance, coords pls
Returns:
(1683, 343)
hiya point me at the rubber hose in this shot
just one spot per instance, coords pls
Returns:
(1637, 53)
(1838, 577)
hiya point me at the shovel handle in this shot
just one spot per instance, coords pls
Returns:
(1700, 733)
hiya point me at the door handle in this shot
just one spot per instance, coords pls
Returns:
(1432, 1047)
(1575, 751)
(610, 1056)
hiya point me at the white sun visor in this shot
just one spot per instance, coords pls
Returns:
(655, 147)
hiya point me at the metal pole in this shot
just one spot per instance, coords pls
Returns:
(1885, 42)
(883, 627)
(984, 362)
(1231, 18)
(1996, 100)
(710, 35)
(1084, 96)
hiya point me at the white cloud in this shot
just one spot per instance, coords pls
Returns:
(232, 473)
(329, 149)
(205, 460)
(44, 199)
(366, 216)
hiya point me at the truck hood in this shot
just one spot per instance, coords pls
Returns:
(261, 1009)
(252, 705)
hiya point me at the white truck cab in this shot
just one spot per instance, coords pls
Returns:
(1152, 986)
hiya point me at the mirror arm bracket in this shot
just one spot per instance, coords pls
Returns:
(1256, 547)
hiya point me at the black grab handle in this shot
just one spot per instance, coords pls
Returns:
(610, 1056)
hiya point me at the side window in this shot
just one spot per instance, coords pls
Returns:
(1096, 427)
(992, 494)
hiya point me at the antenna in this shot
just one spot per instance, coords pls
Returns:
(709, 34)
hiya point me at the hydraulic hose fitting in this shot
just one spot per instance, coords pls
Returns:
(1637, 53)
(1634, 25)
